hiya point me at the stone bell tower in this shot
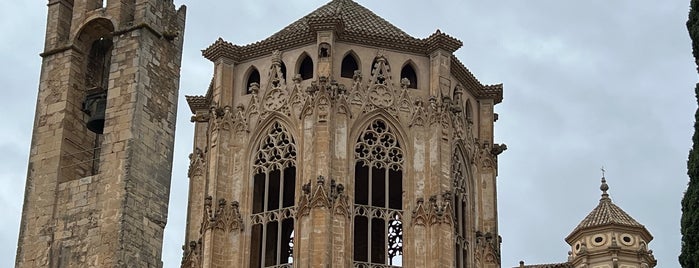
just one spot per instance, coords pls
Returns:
(99, 170)
(342, 141)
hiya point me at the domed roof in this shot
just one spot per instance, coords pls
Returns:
(606, 214)
(351, 21)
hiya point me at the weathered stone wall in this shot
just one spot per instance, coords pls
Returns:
(325, 119)
(114, 218)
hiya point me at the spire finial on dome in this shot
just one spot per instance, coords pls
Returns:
(604, 187)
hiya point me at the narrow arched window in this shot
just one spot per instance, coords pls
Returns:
(409, 72)
(98, 61)
(253, 77)
(274, 180)
(324, 50)
(459, 175)
(349, 65)
(469, 111)
(378, 198)
(306, 67)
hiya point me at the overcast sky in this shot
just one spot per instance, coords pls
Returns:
(587, 84)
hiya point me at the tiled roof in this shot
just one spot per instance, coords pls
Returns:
(354, 17)
(357, 24)
(549, 265)
(607, 213)
(350, 20)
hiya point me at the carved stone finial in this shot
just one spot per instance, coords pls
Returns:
(276, 57)
(357, 77)
(404, 83)
(604, 187)
(254, 88)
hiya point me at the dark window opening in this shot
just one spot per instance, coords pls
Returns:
(469, 111)
(324, 50)
(409, 73)
(95, 103)
(283, 67)
(306, 68)
(272, 241)
(99, 59)
(349, 65)
(461, 208)
(378, 229)
(253, 77)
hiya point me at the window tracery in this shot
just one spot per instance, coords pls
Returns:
(461, 207)
(378, 226)
(274, 166)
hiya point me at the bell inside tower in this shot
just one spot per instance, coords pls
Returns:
(96, 82)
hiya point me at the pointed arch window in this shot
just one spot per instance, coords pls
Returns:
(306, 67)
(459, 174)
(409, 72)
(378, 198)
(253, 77)
(274, 180)
(349, 65)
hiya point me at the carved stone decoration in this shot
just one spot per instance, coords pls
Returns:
(320, 195)
(221, 119)
(240, 121)
(420, 213)
(488, 248)
(405, 102)
(209, 214)
(381, 93)
(498, 149)
(191, 255)
(226, 217)
(441, 209)
(439, 112)
(253, 111)
(357, 91)
(297, 97)
(276, 96)
(420, 115)
(196, 163)
(484, 157)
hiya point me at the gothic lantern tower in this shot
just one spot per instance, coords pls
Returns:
(341, 141)
(609, 237)
(101, 154)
